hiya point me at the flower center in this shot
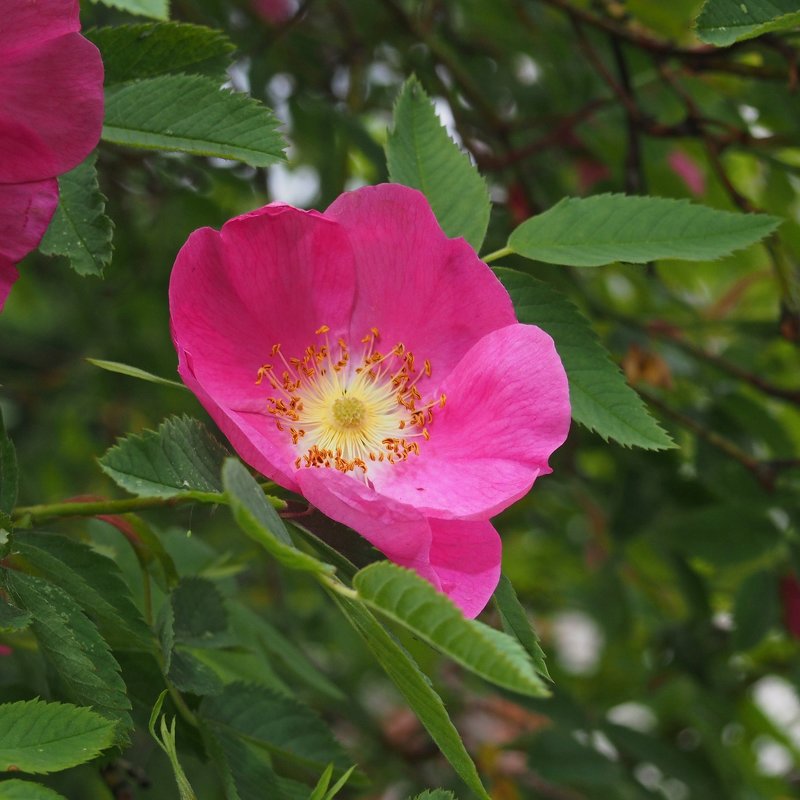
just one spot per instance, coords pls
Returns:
(349, 412)
(343, 413)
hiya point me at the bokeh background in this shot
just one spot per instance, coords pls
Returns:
(664, 585)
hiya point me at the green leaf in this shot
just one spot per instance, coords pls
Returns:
(199, 615)
(415, 687)
(146, 50)
(259, 520)
(155, 9)
(8, 471)
(25, 790)
(436, 794)
(41, 737)
(249, 625)
(600, 397)
(246, 770)
(93, 580)
(756, 609)
(723, 22)
(180, 458)
(87, 672)
(134, 372)
(190, 113)
(321, 790)
(516, 623)
(420, 154)
(278, 724)
(167, 742)
(404, 597)
(722, 534)
(13, 619)
(591, 231)
(80, 229)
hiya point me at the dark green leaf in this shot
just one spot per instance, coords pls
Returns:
(274, 722)
(191, 114)
(599, 395)
(723, 22)
(756, 609)
(259, 520)
(44, 737)
(420, 154)
(415, 687)
(80, 229)
(199, 615)
(92, 579)
(411, 601)
(591, 231)
(13, 619)
(720, 534)
(8, 471)
(516, 623)
(181, 457)
(146, 50)
(87, 672)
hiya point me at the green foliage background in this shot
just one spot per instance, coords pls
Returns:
(658, 581)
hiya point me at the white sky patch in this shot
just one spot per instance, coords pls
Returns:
(578, 640)
(633, 715)
(298, 187)
(445, 114)
(526, 70)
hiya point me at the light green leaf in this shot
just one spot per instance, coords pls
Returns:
(155, 9)
(166, 740)
(180, 458)
(415, 687)
(190, 113)
(321, 790)
(25, 790)
(93, 580)
(420, 154)
(591, 231)
(600, 397)
(516, 623)
(80, 230)
(87, 672)
(146, 50)
(134, 372)
(259, 520)
(41, 737)
(411, 601)
(723, 22)
(8, 471)
(278, 724)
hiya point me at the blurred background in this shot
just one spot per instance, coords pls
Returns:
(664, 585)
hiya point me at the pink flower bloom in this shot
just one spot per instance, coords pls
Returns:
(362, 358)
(275, 12)
(688, 170)
(51, 114)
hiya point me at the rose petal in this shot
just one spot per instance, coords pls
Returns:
(466, 557)
(461, 559)
(507, 410)
(34, 21)
(51, 107)
(25, 212)
(415, 284)
(273, 276)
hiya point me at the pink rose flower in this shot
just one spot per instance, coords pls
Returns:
(51, 115)
(362, 358)
(275, 12)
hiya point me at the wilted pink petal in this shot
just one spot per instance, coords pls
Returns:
(25, 212)
(368, 361)
(51, 115)
(688, 170)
